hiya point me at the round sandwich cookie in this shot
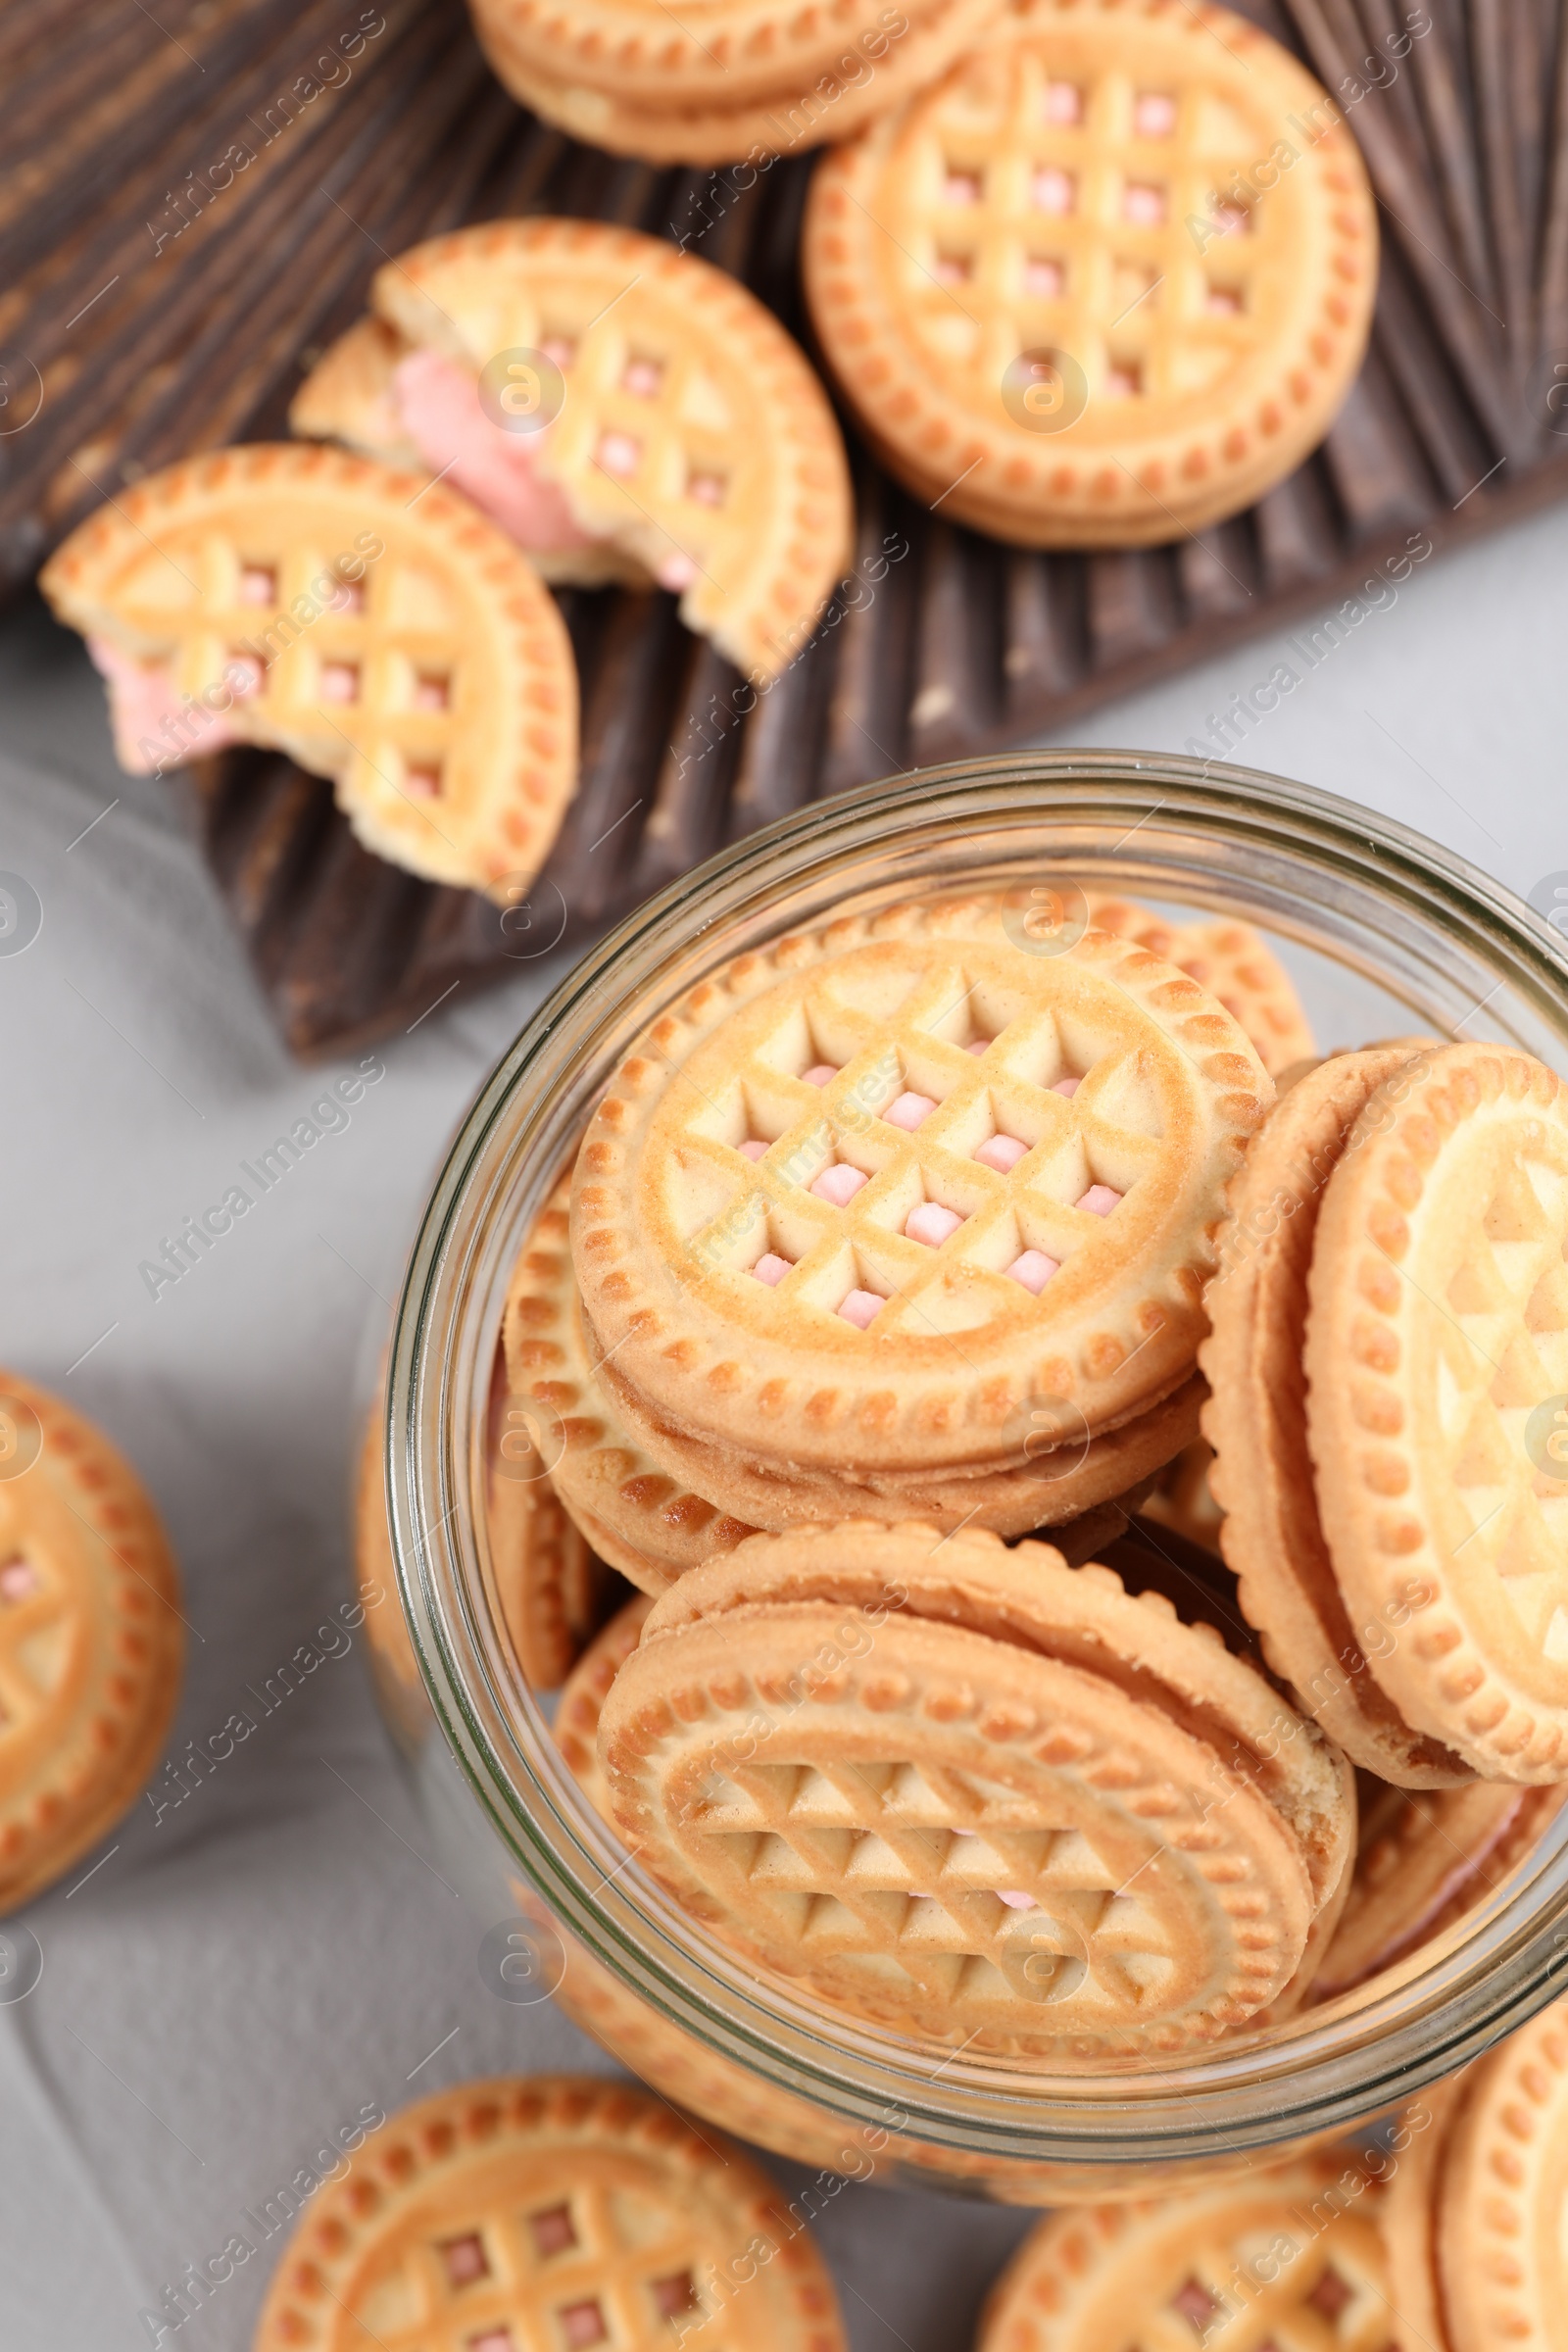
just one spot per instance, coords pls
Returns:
(975, 1795)
(1233, 962)
(1499, 2192)
(1290, 2256)
(620, 409)
(363, 620)
(762, 81)
(1426, 1859)
(902, 1199)
(583, 1694)
(641, 1520)
(555, 2210)
(91, 1637)
(1271, 1533)
(1408, 2216)
(1436, 1370)
(1107, 283)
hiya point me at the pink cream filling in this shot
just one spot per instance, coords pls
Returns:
(438, 407)
(143, 699)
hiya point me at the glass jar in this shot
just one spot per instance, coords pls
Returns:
(1384, 933)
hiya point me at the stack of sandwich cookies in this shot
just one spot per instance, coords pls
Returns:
(1474, 2213)
(741, 81)
(551, 1590)
(91, 1637)
(622, 409)
(364, 621)
(904, 1215)
(1106, 283)
(975, 1795)
(634, 1514)
(554, 2210)
(1283, 2257)
(1396, 1250)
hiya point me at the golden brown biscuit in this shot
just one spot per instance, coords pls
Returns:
(554, 2210)
(1056, 1485)
(1262, 1479)
(1498, 2197)
(1234, 963)
(1436, 1365)
(841, 1787)
(1288, 2256)
(1060, 1128)
(643, 1521)
(1107, 283)
(550, 1585)
(91, 1637)
(1409, 2215)
(366, 622)
(725, 83)
(684, 438)
(583, 1694)
(1426, 1859)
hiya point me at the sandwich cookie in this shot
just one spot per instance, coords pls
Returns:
(975, 1795)
(731, 81)
(555, 2210)
(91, 1637)
(1290, 2256)
(1068, 1480)
(641, 1520)
(366, 622)
(583, 1694)
(661, 2052)
(901, 1199)
(1234, 963)
(1426, 1859)
(1107, 283)
(1437, 1368)
(1409, 2213)
(1499, 2191)
(620, 409)
(1272, 1533)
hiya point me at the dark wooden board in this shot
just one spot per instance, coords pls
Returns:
(150, 312)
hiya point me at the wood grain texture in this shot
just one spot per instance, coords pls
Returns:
(149, 311)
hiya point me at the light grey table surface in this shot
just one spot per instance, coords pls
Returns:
(239, 1976)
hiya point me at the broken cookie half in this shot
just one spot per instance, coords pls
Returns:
(366, 622)
(622, 409)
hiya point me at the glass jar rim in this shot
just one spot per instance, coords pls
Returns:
(1326, 2070)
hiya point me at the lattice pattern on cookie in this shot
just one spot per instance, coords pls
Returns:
(916, 1171)
(383, 663)
(551, 2215)
(575, 2264)
(692, 432)
(1043, 206)
(377, 628)
(1289, 2261)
